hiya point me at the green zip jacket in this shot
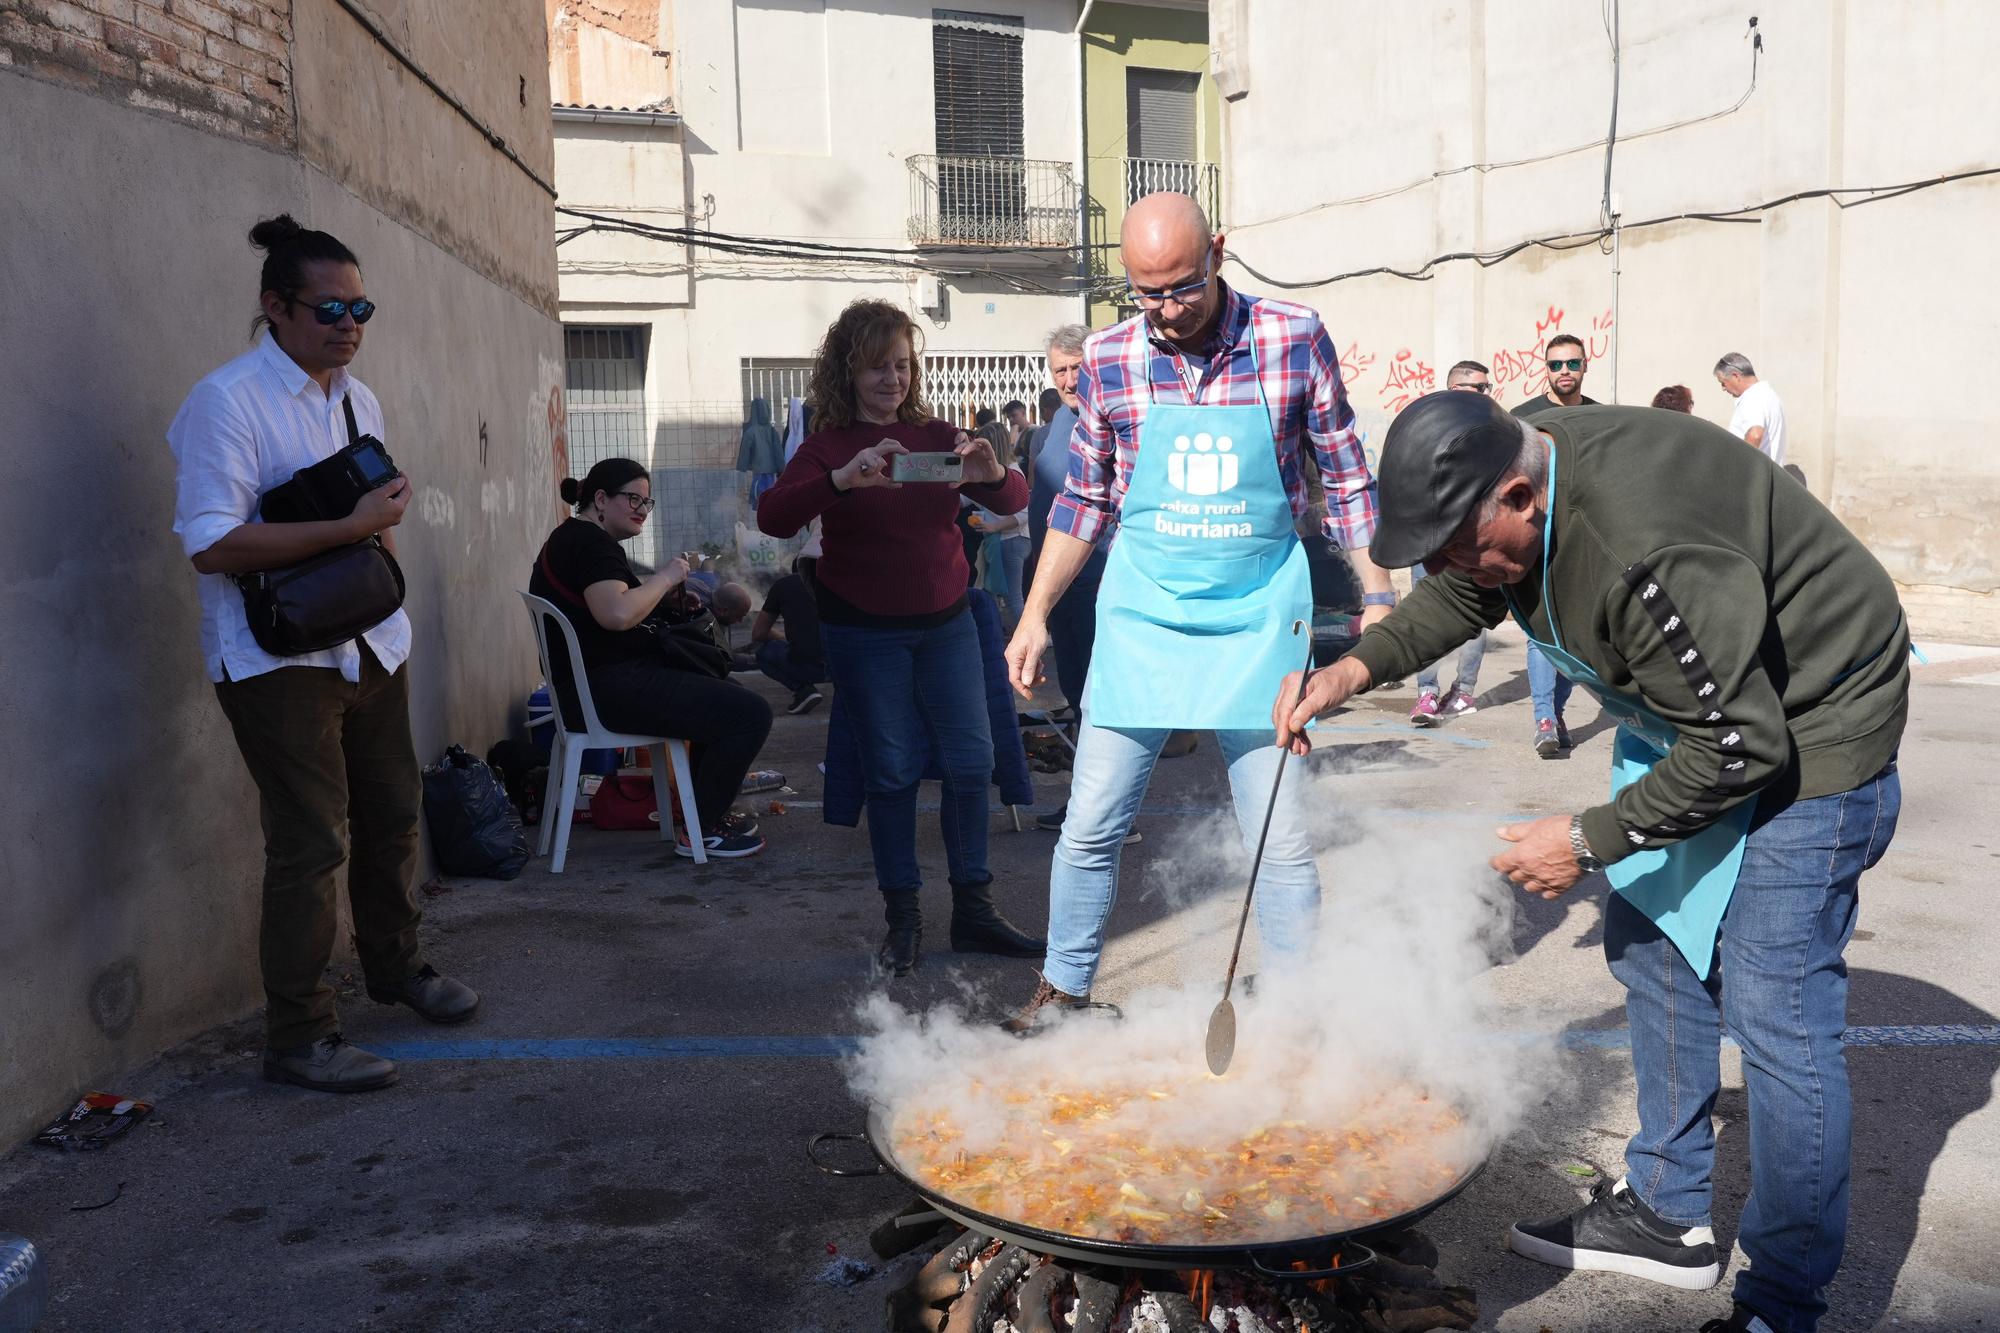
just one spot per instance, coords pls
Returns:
(1689, 572)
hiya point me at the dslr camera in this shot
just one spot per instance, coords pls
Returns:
(332, 487)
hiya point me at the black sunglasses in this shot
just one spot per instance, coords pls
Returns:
(1574, 363)
(330, 312)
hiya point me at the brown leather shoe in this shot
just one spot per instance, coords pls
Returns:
(1045, 996)
(330, 1064)
(438, 998)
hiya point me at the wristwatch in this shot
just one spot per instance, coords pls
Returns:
(1586, 860)
(1378, 599)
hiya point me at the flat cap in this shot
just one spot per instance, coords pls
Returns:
(1442, 454)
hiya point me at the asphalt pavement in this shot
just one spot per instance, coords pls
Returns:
(618, 1140)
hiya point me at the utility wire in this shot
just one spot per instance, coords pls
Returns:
(1756, 50)
(1577, 239)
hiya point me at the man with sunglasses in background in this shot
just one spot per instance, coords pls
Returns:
(1195, 419)
(326, 735)
(1548, 688)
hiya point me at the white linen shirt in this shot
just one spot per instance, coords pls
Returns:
(1758, 406)
(246, 428)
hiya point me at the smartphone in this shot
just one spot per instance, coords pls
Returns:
(926, 467)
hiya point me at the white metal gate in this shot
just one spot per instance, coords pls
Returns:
(960, 383)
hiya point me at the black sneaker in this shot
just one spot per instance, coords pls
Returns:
(1742, 1319)
(1617, 1233)
(805, 701)
(725, 846)
(738, 824)
(1053, 821)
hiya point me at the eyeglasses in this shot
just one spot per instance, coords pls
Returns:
(641, 504)
(1484, 386)
(330, 312)
(1185, 296)
(1573, 363)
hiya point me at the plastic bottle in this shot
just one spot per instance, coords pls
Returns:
(24, 1290)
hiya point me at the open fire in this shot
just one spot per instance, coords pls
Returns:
(977, 1283)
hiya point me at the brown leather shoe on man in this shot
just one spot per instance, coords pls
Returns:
(330, 1064)
(438, 998)
(1046, 996)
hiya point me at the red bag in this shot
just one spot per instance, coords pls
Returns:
(625, 803)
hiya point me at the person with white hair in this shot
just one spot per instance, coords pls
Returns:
(1759, 418)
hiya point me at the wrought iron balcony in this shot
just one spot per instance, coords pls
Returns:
(1011, 201)
(1149, 175)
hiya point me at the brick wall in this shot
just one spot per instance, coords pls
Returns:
(224, 65)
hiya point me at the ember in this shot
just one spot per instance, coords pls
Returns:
(976, 1283)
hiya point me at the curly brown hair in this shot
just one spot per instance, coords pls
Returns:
(863, 336)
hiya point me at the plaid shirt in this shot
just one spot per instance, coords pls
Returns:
(1125, 367)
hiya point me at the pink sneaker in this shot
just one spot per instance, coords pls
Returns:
(1425, 714)
(1459, 703)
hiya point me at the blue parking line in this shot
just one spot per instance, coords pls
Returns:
(832, 1047)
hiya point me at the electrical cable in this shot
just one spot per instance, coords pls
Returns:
(1756, 50)
(1578, 239)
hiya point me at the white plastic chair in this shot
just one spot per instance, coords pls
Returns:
(566, 754)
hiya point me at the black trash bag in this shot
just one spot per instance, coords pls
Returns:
(473, 824)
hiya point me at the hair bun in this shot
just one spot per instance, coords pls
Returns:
(569, 490)
(275, 231)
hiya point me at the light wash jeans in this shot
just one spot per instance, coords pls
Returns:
(1781, 992)
(1547, 687)
(1108, 782)
(1469, 657)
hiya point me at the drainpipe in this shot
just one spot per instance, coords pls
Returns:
(1082, 173)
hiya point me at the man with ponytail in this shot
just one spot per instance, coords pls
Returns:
(325, 735)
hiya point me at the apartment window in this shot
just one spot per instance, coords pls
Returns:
(1160, 114)
(976, 63)
(604, 364)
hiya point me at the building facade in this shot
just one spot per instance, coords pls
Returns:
(142, 139)
(1806, 188)
(1151, 121)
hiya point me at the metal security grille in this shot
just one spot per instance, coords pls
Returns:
(604, 364)
(1160, 113)
(777, 380)
(960, 383)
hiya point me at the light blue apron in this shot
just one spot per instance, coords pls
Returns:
(1685, 887)
(1205, 578)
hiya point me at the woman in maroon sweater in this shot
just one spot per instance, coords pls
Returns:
(900, 643)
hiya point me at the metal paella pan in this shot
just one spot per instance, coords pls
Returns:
(1274, 1258)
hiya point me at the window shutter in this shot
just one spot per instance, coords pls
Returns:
(1160, 114)
(976, 61)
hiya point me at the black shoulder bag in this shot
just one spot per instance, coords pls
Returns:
(340, 594)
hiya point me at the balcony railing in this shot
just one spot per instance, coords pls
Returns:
(1014, 201)
(1149, 175)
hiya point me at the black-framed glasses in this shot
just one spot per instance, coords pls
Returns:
(331, 312)
(1572, 363)
(641, 504)
(1183, 295)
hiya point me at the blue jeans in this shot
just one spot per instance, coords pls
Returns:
(1469, 657)
(1073, 628)
(1548, 687)
(1013, 554)
(1109, 781)
(776, 659)
(911, 694)
(1781, 989)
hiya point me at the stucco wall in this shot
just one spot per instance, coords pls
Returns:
(1870, 322)
(131, 871)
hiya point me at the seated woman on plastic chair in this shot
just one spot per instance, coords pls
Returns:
(583, 570)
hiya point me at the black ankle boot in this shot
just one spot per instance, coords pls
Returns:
(898, 955)
(978, 927)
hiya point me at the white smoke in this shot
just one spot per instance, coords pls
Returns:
(1394, 1004)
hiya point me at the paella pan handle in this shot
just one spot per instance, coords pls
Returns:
(813, 1150)
(1348, 1266)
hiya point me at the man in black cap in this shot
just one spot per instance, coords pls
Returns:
(1755, 655)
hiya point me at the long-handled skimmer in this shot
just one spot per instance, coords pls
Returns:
(1222, 1022)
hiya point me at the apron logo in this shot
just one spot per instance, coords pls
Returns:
(1209, 470)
